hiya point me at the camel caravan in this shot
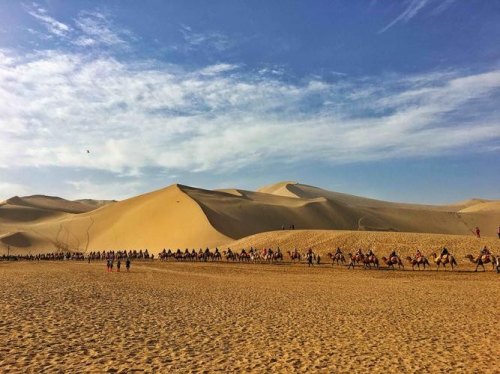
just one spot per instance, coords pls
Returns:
(368, 260)
(252, 255)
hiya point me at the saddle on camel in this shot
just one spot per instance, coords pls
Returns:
(418, 260)
(392, 260)
(444, 258)
(484, 257)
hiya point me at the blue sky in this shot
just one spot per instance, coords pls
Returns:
(397, 100)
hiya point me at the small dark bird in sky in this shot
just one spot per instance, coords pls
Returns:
(88, 151)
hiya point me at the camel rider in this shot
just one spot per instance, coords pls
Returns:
(485, 251)
(369, 253)
(393, 254)
(444, 252)
(338, 251)
(359, 252)
(418, 255)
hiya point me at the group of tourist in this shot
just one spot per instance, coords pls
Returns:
(266, 255)
(110, 262)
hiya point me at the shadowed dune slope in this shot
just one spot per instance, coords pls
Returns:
(377, 215)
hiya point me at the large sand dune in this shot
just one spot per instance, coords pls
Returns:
(186, 217)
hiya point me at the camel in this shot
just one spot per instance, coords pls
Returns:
(337, 257)
(418, 261)
(355, 259)
(443, 260)
(295, 255)
(481, 260)
(371, 260)
(394, 260)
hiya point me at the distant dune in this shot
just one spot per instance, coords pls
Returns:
(186, 217)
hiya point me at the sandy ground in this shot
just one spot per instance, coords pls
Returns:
(186, 317)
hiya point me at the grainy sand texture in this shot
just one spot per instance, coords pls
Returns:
(218, 317)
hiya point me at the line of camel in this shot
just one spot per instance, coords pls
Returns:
(371, 260)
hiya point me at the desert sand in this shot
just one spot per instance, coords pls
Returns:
(218, 317)
(186, 217)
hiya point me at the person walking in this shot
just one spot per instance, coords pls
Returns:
(118, 265)
(478, 232)
(310, 257)
(127, 264)
(498, 232)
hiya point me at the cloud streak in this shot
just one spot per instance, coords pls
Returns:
(52, 25)
(97, 29)
(413, 8)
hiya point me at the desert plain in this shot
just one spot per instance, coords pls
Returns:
(218, 317)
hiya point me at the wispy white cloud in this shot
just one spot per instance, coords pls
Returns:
(52, 25)
(88, 29)
(209, 40)
(414, 7)
(217, 69)
(134, 116)
(97, 29)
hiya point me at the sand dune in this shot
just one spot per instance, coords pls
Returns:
(489, 206)
(186, 217)
(167, 217)
(50, 203)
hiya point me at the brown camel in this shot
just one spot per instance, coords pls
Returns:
(337, 257)
(371, 260)
(443, 260)
(422, 260)
(481, 260)
(294, 256)
(355, 259)
(394, 260)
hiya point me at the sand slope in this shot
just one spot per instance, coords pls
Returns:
(186, 217)
(325, 241)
